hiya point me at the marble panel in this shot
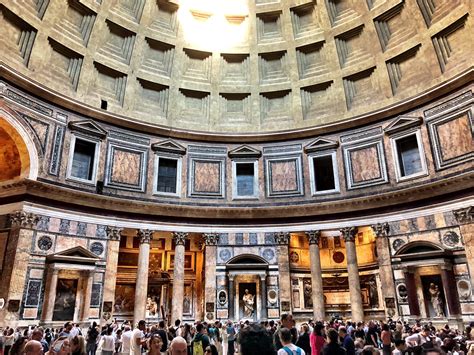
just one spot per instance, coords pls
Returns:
(207, 177)
(30, 313)
(365, 164)
(455, 137)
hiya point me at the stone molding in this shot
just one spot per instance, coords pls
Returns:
(313, 237)
(21, 219)
(145, 235)
(282, 238)
(464, 215)
(349, 233)
(114, 233)
(211, 239)
(180, 238)
(381, 229)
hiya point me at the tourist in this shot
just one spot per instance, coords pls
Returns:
(164, 336)
(255, 339)
(286, 320)
(107, 342)
(126, 338)
(8, 340)
(230, 338)
(400, 347)
(78, 345)
(91, 339)
(333, 347)
(38, 335)
(60, 346)
(18, 346)
(138, 339)
(346, 341)
(178, 346)
(371, 337)
(154, 344)
(201, 340)
(288, 348)
(316, 339)
(33, 347)
(118, 341)
(423, 340)
(386, 338)
(186, 335)
(211, 349)
(303, 339)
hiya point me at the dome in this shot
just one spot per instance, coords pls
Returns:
(237, 66)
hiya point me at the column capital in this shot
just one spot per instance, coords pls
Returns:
(113, 233)
(282, 238)
(22, 219)
(348, 233)
(464, 215)
(313, 236)
(381, 229)
(180, 237)
(211, 239)
(145, 235)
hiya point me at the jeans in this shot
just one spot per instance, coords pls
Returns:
(230, 349)
(91, 348)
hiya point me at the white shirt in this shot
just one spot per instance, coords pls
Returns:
(108, 343)
(126, 338)
(419, 339)
(292, 347)
(134, 348)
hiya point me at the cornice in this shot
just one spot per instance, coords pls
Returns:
(34, 191)
(398, 108)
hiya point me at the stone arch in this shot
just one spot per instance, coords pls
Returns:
(419, 247)
(18, 154)
(247, 259)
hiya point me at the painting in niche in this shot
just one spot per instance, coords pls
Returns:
(124, 299)
(153, 301)
(65, 300)
(188, 262)
(188, 300)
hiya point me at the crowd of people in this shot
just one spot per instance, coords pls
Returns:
(243, 338)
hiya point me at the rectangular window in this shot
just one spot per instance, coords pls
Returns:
(245, 175)
(167, 175)
(323, 170)
(82, 166)
(409, 159)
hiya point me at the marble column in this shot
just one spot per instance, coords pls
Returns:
(263, 297)
(317, 294)
(450, 290)
(282, 239)
(141, 287)
(178, 277)
(86, 305)
(50, 295)
(357, 308)
(381, 231)
(231, 298)
(412, 296)
(210, 284)
(110, 277)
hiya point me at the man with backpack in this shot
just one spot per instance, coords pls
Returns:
(288, 347)
(423, 340)
(200, 341)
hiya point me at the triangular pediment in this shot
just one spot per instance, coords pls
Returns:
(245, 151)
(88, 127)
(402, 123)
(168, 146)
(321, 144)
(76, 254)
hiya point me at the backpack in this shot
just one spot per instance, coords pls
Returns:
(289, 352)
(197, 348)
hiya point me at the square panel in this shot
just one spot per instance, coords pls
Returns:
(452, 138)
(284, 176)
(126, 167)
(365, 164)
(207, 176)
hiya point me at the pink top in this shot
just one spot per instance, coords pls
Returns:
(317, 343)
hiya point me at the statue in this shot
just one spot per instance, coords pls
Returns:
(436, 300)
(248, 299)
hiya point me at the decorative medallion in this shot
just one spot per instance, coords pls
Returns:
(402, 292)
(338, 257)
(45, 243)
(97, 248)
(210, 315)
(268, 254)
(272, 297)
(294, 257)
(464, 289)
(397, 243)
(450, 239)
(225, 255)
(222, 297)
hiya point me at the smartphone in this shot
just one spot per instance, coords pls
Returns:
(57, 347)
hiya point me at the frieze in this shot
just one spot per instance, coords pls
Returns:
(29, 103)
(207, 149)
(101, 231)
(360, 135)
(282, 149)
(43, 223)
(129, 138)
(81, 229)
(21, 219)
(64, 226)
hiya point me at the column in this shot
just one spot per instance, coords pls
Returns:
(282, 239)
(210, 241)
(50, 295)
(317, 294)
(110, 277)
(381, 231)
(141, 289)
(178, 277)
(357, 309)
(231, 298)
(411, 293)
(263, 297)
(465, 219)
(86, 306)
(450, 290)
